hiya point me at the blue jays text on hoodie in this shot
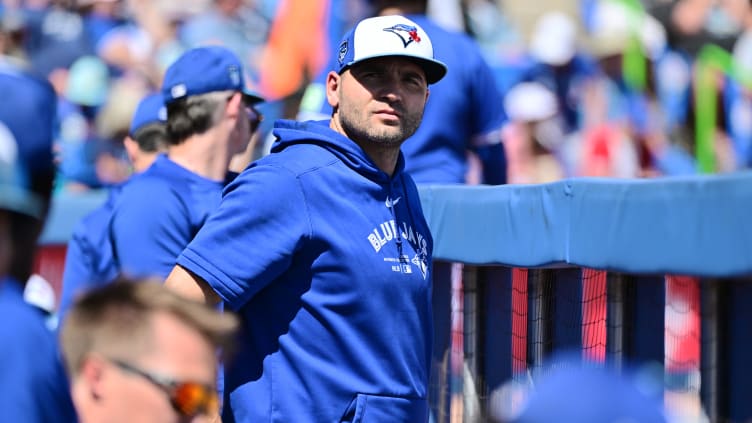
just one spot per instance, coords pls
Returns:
(156, 214)
(33, 385)
(328, 261)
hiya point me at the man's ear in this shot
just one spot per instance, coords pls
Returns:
(131, 148)
(91, 375)
(232, 108)
(333, 81)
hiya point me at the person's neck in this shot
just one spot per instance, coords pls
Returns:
(385, 157)
(203, 155)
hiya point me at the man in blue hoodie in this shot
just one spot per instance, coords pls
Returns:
(323, 249)
(33, 387)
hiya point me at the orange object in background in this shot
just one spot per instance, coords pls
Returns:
(297, 48)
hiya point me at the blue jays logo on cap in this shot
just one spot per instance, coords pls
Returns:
(407, 33)
(384, 36)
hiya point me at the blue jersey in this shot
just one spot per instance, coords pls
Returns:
(33, 386)
(88, 260)
(327, 259)
(464, 112)
(156, 214)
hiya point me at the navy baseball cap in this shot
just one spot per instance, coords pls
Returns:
(384, 36)
(203, 70)
(27, 128)
(150, 109)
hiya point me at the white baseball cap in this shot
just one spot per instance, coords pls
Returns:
(554, 39)
(384, 36)
(529, 102)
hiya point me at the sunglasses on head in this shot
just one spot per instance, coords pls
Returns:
(189, 399)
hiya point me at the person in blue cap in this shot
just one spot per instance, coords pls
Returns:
(322, 248)
(88, 260)
(575, 391)
(211, 117)
(33, 387)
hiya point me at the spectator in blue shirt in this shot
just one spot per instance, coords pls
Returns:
(210, 118)
(89, 260)
(33, 387)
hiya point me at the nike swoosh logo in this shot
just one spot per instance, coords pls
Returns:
(391, 203)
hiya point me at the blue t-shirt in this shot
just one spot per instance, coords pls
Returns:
(465, 111)
(156, 214)
(88, 259)
(327, 260)
(33, 385)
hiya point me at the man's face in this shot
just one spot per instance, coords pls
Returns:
(379, 101)
(124, 395)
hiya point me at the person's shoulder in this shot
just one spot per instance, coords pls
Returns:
(303, 147)
(457, 49)
(441, 35)
(145, 190)
(21, 321)
(93, 222)
(287, 164)
(144, 183)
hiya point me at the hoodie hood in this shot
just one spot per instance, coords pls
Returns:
(289, 132)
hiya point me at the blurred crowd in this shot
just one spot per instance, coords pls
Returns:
(622, 88)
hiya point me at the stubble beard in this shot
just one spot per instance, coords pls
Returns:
(384, 136)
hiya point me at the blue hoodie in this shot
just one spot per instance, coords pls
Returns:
(327, 260)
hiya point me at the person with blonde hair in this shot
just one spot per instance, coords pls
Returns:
(135, 351)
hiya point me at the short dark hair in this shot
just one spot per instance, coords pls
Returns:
(151, 137)
(193, 115)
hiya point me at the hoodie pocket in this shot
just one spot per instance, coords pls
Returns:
(366, 408)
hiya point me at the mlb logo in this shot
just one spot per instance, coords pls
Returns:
(407, 269)
(234, 74)
(342, 52)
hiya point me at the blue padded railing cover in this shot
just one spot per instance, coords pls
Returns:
(698, 225)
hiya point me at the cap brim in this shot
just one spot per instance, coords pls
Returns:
(434, 69)
(252, 98)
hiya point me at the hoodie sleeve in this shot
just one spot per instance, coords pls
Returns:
(252, 237)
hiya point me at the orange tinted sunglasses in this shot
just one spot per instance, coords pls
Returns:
(189, 399)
